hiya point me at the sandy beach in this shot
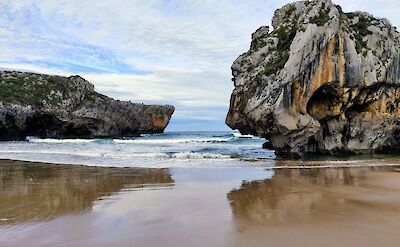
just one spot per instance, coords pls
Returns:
(69, 205)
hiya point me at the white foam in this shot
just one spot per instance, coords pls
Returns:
(38, 140)
(192, 155)
(171, 141)
(239, 135)
(141, 155)
(146, 135)
(89, 154)
(177, 156)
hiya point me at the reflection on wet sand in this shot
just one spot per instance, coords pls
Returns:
(276, 207)
(37, 192)
(291, 191)
(326, 206)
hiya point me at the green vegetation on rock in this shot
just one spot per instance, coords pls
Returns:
(286, 35)
(30, 91)
(290, 10)
(276, 64)
(259, 44)
(362, 26)
(360, 29)
(321, 19)
(10, 91)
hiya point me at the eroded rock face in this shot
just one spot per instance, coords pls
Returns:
(68, 107)
(322, 81)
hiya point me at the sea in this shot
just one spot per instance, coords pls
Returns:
(170, 149)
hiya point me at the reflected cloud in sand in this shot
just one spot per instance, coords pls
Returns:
(38, 192)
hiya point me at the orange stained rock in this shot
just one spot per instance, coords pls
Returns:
(341, 61)
(160, 122)
(324, 74)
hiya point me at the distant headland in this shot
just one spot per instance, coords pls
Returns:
(51, 106)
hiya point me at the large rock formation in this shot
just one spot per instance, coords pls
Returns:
(68, 107)
(322, 81)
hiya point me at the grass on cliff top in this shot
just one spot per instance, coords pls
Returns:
(27, 92)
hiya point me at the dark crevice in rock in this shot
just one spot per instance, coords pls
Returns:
(323, 102)
(9, 130)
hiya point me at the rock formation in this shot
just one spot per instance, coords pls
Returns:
(68, 107)
(321, 82)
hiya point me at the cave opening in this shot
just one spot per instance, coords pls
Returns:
(9, 129)
(42, 125)
(325, 102)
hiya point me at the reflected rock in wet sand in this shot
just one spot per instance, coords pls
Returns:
(297, 196)
(37, 192)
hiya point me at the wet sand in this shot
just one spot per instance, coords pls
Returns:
(64, 205)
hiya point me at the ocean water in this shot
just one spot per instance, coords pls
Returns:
(171, 149)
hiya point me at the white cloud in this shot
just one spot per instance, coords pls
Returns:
(32, 68)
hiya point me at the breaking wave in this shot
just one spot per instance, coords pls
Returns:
(161, 150)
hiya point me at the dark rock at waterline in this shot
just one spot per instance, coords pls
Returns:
(68, 107)
(267, 145)
(321, 82)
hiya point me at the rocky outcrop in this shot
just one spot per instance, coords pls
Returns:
(321, 82)
(68, 107)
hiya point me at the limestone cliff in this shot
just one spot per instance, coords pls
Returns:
(322, 81)
(68, 107)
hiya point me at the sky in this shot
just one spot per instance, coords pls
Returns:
(176, 52)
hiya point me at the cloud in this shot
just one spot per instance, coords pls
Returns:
(32, 68)
(175, 52)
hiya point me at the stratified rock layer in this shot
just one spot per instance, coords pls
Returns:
(68, 107)
(322, 82)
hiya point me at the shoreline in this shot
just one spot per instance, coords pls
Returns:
(273, 164)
